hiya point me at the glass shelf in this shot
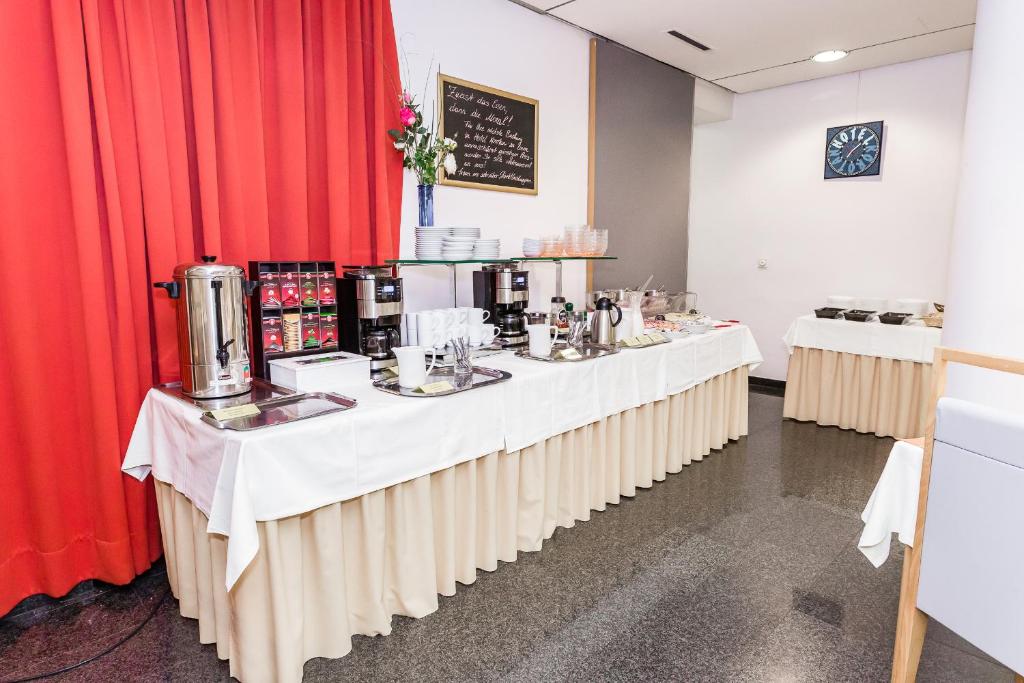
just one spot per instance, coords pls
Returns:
(514, 259)
(438, 262)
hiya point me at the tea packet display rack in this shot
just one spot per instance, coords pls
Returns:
(294, 310)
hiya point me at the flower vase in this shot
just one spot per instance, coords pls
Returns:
(426, 197)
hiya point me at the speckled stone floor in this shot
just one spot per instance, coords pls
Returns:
(741, 568)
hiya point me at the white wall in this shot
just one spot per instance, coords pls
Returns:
(984, 303)
(757, 192)
(499, 44)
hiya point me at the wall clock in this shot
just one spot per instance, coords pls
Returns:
(853, 151)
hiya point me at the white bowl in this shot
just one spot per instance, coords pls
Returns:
(916, 307)
(841, 301)
(870, 303)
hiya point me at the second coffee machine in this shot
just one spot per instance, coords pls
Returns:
(370, 313)
(504, 290)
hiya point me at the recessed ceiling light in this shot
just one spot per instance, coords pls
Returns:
(829, 56)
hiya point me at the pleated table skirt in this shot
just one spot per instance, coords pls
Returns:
(345, 569)
(872, 395)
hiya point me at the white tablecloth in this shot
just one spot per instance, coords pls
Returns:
(892, 507)
(240, 478)
(912, 341)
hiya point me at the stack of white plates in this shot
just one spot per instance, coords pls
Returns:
(472, 233)
(430, 242)
(486, 249)
(458, 248)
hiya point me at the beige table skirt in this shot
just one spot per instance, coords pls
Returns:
(344, 569)
(873, 395)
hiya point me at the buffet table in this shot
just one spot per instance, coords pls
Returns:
(866, 376)
(285, 542)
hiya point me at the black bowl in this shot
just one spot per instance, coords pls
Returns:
(827, 312)
(858, 315)
(892, 318)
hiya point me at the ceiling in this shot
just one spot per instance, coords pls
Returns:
(758, 44)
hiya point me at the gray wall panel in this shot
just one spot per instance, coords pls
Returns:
(644, 127)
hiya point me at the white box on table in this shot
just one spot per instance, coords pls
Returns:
(321, 372)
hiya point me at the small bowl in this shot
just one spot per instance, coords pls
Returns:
(858, 315)
(893, 318)
(828, 312)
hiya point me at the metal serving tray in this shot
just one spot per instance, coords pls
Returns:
(286, 409)
(261, 391)
(481, 377)
(587, 351)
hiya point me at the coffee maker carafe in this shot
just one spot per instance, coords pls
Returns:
(505, 292)
(370, 313)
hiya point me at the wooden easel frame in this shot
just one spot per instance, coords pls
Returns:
(911, 622)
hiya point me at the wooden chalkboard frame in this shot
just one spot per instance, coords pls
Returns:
(442, 79)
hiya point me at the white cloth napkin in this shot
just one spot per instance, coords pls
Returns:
(892, 506)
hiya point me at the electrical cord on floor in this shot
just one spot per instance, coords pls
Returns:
(72, 667)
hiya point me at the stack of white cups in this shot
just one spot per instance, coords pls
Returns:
(435, 328)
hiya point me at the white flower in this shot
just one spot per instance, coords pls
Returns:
(450, 144)
(399, 145)
(449, 165)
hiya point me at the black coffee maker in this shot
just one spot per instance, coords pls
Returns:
(370, 313)
(504, 290)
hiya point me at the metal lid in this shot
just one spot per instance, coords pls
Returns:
(207, 269)
(558, 299)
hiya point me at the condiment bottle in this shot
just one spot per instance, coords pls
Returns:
(557, 316)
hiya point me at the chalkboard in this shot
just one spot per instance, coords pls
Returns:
(496, 132)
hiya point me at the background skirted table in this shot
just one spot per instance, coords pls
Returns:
(870, 377)
(285, 542)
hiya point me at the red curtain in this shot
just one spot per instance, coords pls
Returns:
(138, 134)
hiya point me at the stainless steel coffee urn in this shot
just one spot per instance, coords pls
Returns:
(213, 332)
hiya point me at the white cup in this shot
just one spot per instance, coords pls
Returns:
(426, 328)
(477, 316)
(540, 339)
(480, 334)
(462, 315)
(409, 336)
(488, 333)
(412, 365)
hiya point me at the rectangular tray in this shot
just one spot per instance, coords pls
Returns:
(587, 351)
(262, 390)
(667, 340)
(481, 377)
(286, 409)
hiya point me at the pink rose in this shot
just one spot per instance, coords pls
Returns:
(407, 116)
(406, 97)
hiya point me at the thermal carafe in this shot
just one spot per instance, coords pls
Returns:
(213, 332)
(602, 327)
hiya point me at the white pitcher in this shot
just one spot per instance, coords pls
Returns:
(412, 365)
